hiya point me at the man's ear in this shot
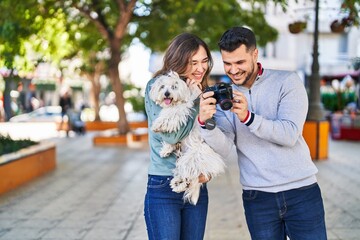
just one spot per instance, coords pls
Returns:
(256, 54)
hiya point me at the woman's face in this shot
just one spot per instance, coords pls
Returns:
(198, 65)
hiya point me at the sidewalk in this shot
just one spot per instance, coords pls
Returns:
(96, 193)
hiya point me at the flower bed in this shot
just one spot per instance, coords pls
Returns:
(19, 167)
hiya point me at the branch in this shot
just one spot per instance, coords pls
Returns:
(99, 22)
(121, 5)
(126, 12)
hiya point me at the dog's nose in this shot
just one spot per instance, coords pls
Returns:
(167, 94)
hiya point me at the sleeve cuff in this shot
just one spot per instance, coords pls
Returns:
(249, 118)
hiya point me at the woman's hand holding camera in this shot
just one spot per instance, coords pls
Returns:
(207, 106)
(240, 105)
(195, 87)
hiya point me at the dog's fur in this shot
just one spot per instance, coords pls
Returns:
(195, 157)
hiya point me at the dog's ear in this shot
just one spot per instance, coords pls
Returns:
(155, 88)
(176, 74)
(184, 90)
(173, 74)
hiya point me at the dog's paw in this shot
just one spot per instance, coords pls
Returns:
(157, 126)
(167, 125)
(166, 149)
(178, 185)
(164, 153)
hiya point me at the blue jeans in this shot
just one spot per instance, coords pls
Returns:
(297, 213)
(167, 217)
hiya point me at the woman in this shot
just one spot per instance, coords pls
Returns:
(167, 216)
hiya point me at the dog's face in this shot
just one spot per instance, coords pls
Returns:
(169, 90)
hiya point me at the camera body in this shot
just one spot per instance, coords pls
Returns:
(223, 95)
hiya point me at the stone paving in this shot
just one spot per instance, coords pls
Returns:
(96, 193)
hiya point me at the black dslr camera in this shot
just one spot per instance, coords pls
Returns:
(223, 95)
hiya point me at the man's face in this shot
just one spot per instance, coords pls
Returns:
(241, 65)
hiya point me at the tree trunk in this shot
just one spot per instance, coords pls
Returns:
(95, 93)
(7, 98)
(96, 97)
(117, 87)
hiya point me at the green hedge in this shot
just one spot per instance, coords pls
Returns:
(8, 145)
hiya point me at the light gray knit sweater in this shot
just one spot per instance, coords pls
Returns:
(272, 153)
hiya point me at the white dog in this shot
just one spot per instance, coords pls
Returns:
(195, 157)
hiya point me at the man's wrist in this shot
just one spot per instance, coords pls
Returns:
(202, 124)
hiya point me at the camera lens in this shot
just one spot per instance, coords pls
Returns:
(226, 104)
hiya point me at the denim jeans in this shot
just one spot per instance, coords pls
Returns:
(167, 217)
(297, 213)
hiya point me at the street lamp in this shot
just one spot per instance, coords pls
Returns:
(316, 109)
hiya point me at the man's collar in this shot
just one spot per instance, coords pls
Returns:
(260, 69)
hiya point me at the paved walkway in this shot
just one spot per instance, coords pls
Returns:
(96, 193)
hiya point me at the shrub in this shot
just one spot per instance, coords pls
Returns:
(9, 145)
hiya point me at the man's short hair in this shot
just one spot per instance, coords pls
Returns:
(235, 37)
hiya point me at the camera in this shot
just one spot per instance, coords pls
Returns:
(223, 95)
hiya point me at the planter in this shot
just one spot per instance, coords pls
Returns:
(25, 165)
(101, 125)
(337, 26)
(112, 137)
(316, 135)
(297, 27)
(345, 126)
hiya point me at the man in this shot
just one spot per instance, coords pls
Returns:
(264, 127)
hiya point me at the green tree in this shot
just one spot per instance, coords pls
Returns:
(155, 23)
(91, 49)
(17, 22)
(158, 21)
(111, 19)
(29, 35)
(116, 23)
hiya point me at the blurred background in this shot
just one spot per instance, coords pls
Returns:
(72, 80)
(102, 53)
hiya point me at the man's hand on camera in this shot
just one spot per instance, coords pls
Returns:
(240, 105)
(207, 106)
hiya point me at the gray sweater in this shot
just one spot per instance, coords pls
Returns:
(271, 151)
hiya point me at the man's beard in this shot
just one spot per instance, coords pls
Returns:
(248, 76)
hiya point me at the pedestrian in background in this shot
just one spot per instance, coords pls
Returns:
(65, 104)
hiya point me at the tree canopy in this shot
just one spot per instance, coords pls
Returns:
(52, 30)
(155, 23)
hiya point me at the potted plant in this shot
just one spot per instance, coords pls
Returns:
(337, 26)
(297, 27)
